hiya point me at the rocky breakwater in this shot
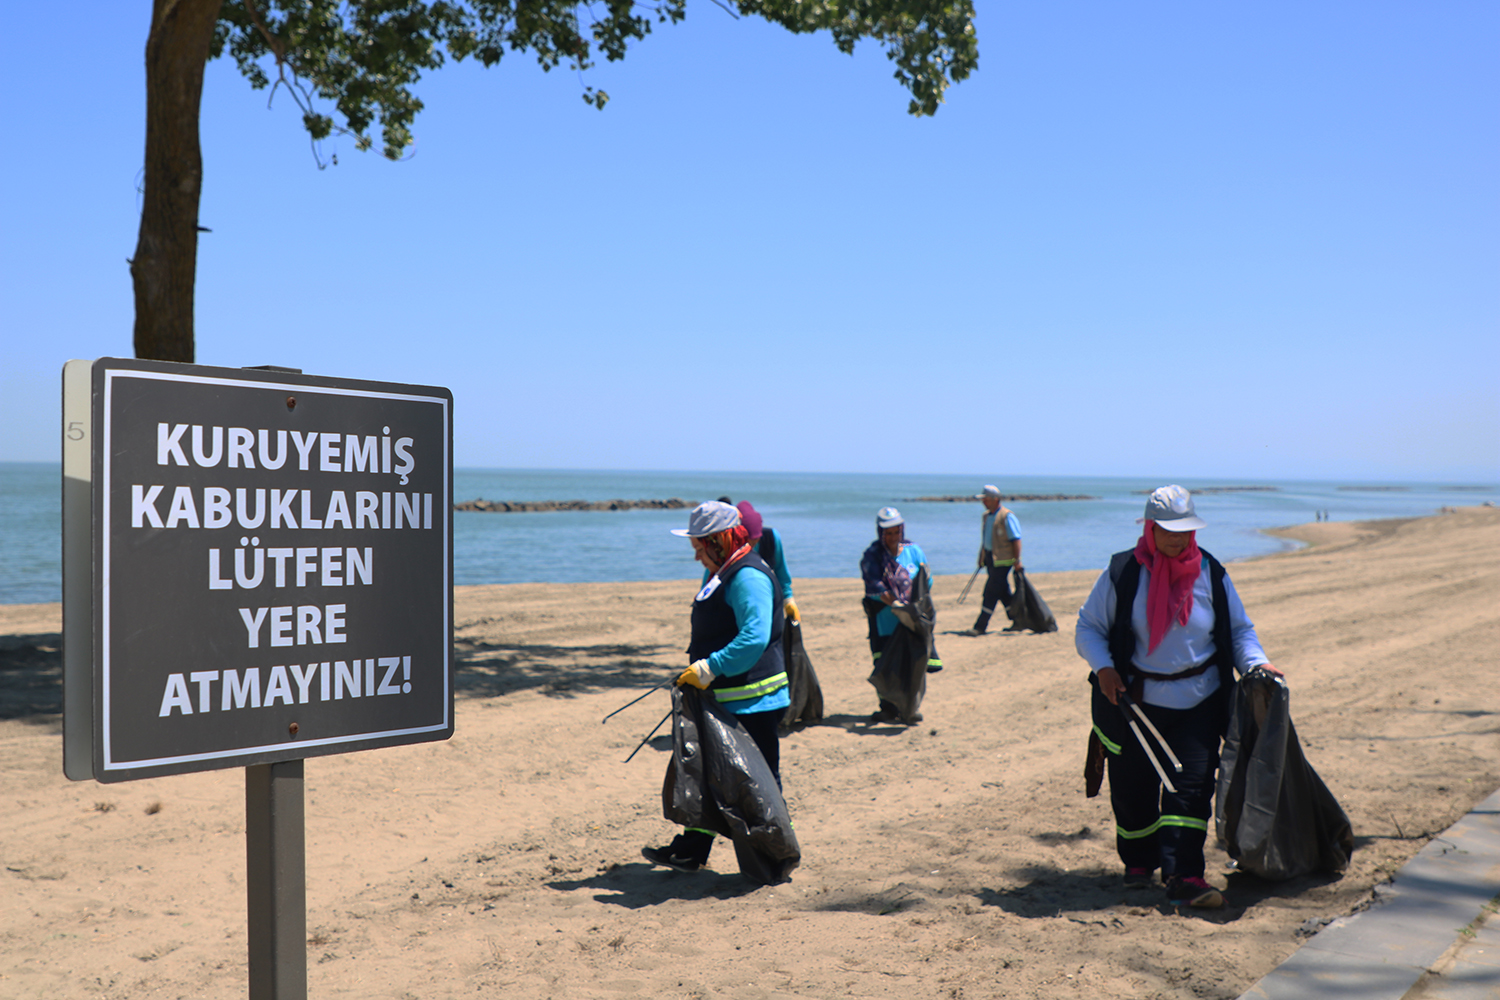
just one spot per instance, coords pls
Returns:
(546, 506)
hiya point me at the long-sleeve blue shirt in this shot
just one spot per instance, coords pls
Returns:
(1183, 646)
(778, 563)
(749, 596)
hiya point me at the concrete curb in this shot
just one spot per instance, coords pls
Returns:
(1419, 918)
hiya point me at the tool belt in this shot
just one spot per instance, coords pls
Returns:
(1135, 681)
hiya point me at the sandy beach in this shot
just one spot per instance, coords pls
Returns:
(955, 859)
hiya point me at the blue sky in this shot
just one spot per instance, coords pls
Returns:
(1243, 241)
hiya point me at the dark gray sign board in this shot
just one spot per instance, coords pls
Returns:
(271, 567)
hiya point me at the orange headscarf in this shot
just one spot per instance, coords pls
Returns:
(727, 546)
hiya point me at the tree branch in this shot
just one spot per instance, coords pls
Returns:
(278, 49)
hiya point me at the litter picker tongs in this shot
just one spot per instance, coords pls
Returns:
(965, 595)
(1132, 712)
(649, 692)
(648, 736)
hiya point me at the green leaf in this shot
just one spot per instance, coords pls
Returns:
(365, 57)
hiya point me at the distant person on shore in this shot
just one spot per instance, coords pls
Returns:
(1164, 624)
(999, 550)
(734, 649)
(768, 546)
(890, 567)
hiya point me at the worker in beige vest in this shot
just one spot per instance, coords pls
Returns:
(999, 550)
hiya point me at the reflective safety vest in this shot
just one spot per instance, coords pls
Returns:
(714, 627)
(1002, 545)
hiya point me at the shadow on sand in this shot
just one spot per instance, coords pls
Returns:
(31, 671)
(1045, 891)
(31, 676)
(638, 885)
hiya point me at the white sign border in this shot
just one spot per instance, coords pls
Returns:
(109, 763)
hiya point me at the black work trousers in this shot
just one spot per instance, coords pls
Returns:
(997, 593)
(1156, 828)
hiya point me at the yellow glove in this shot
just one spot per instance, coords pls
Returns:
(697, 674)
(790, 609)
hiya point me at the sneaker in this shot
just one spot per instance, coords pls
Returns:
(1013, 628)
(663, 856)
(1193, 892)
(934, 666)
(1139, 878)
(972, 631)
(883, 715)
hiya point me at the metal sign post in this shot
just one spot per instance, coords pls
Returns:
(257, 570)
(276, 881)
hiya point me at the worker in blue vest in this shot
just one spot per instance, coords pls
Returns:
(1165, 625)
(734, 649)
(769, 546)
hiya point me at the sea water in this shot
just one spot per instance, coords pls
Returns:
(825, 519)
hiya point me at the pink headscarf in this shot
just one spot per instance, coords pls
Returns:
(1170, 595)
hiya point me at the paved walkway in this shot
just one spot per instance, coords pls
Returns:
(1433, 933)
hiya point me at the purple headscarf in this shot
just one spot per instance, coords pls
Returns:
(751, 519)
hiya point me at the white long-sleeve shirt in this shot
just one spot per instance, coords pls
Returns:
(1183, 646)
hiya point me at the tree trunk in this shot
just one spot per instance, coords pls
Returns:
(166, 256)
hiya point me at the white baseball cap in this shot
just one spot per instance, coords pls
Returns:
(709, 519)
(1172, 508)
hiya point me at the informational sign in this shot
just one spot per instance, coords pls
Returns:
(271, 573)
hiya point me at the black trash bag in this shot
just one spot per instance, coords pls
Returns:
(1027, 610)
(900, 674)
(717, 780)
(1273, 813)
(802, 680)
